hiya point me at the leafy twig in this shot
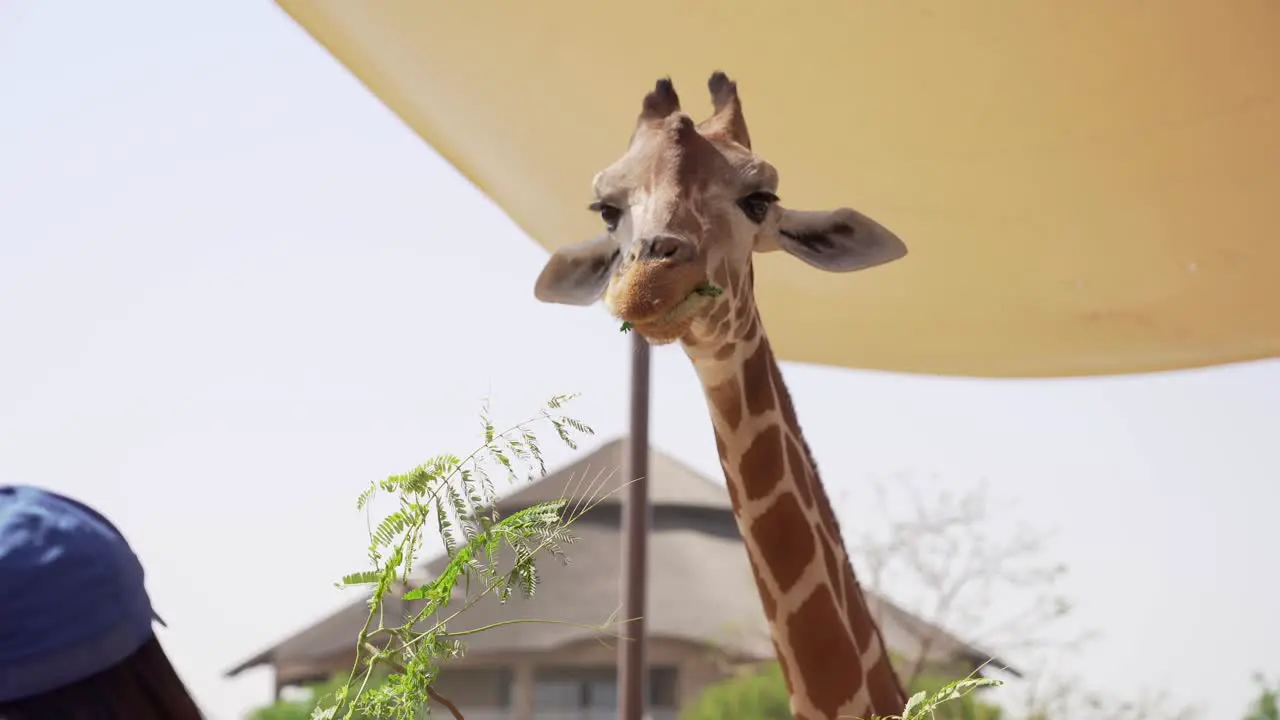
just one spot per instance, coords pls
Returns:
(922, 705)
(458, 495)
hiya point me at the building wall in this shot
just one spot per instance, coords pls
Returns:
(478, 683)
(694, 663)
(495, 687)
(478, 688)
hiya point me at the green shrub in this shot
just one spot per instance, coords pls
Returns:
(761, 694)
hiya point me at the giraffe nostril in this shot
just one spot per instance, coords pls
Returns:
(664, 247)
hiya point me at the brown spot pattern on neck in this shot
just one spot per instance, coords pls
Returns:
(825, 629)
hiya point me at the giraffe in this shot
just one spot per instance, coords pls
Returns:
(686, 206)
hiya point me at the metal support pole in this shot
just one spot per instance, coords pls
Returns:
(632, 666)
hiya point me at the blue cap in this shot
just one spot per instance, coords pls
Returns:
(72, 601)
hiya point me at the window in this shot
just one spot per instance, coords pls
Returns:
(602, 695)
(662, 687)
(593, 691)
(555, 694)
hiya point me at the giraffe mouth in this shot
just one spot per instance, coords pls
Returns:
(683, 310)
(673, 323)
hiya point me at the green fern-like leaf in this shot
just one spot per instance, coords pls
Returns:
(388, 530)
(459, 492)
(364, 577)
(558, 401)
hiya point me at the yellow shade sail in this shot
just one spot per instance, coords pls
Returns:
(1086, 187)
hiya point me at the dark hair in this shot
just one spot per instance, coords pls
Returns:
(143, 686)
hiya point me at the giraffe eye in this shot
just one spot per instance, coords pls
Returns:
(608, 213)
(756, 205)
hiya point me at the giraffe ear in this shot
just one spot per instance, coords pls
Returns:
(842, 240)
(578, 274)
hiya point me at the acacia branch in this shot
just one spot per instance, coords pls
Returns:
(431, 692)
(453, 709)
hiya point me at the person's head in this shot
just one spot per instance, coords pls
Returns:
(76, 638)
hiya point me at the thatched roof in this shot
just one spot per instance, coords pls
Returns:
(671, 482)
(700, 584)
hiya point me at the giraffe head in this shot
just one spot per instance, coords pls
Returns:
(684, 209)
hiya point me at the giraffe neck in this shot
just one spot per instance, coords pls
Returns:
(832, 653)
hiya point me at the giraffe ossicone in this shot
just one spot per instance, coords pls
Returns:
(687, 205)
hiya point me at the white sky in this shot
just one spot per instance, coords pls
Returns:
(234, 289)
